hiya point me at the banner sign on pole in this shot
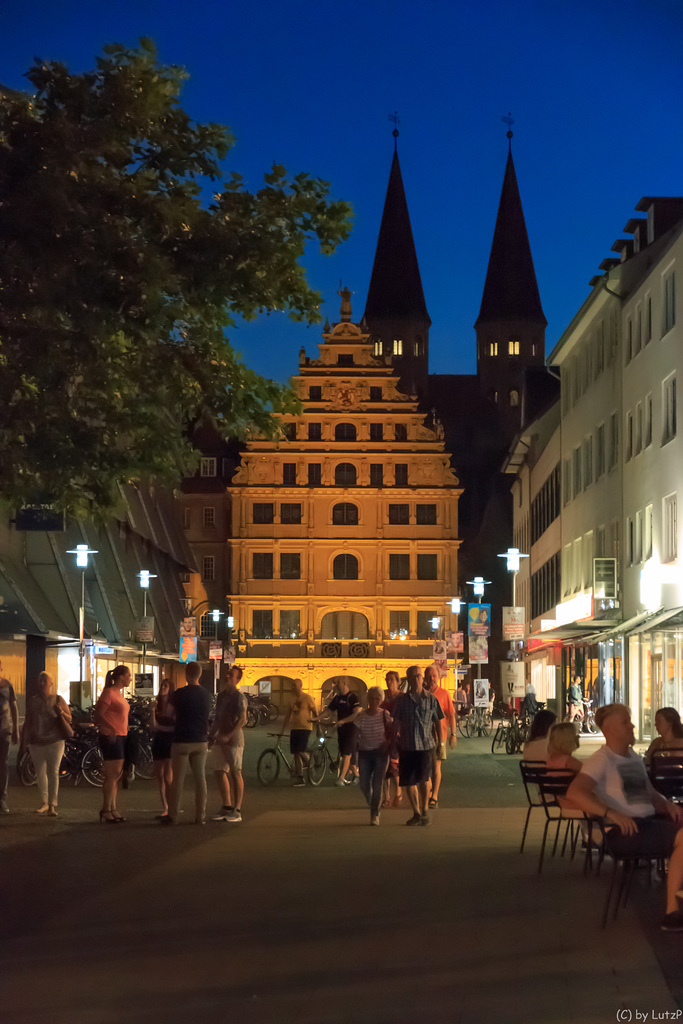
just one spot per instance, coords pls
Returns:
(455, 642)
(188, 627)
(229, 655)
(144, 630)
(215, 650)
(513, 623)
(188, 649)
(439, 650)
(479, 619)
(144, 684)
(512, 679)
(479, 650)
(481, 693)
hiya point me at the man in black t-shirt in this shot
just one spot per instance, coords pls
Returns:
(191, 706)
(348, 708)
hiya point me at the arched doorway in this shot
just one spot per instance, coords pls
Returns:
(281, 689)
(356, 685)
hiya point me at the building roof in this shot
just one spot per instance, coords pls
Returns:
(510, 290)
(395, 286)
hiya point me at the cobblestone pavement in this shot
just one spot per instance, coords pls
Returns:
(304, 913)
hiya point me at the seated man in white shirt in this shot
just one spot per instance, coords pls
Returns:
(613, 784)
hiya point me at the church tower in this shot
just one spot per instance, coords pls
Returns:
(395, 312)
(511, 326)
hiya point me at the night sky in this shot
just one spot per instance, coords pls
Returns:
(594, 89)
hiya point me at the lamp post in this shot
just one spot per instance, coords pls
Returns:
(478, 585)
(145, 576)
(216, 616)
(512, 557)
(81, 551)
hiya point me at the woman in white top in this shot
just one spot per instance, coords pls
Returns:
(374, 726)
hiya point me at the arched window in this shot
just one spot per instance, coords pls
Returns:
(344, 626)
(345, 432)
(345, 475)
(514, 397)
(345, 567)
(345, 514)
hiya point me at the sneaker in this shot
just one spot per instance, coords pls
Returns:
(4, 809)
(222, 815)
(355, 780)
(131, 773)
(415, 820)
(374, 820)
(672, 922)
(234, 816)
(340, 782)
(425, 819)
(299, 781)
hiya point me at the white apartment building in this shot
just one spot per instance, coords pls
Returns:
(622, 470)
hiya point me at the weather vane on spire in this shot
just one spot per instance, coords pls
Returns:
(394, 117)
(509, 121)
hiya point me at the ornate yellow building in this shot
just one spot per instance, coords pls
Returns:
(344, 539)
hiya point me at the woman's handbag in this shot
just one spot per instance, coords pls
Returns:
(63, 723)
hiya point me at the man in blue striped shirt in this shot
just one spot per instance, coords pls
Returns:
(416, 715)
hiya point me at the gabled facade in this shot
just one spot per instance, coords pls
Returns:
(345, 531)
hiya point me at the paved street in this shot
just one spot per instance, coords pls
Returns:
(304, 913)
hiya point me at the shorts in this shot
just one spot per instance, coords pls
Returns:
(414, 766)
(655, 838)
(298, 740)
(113, 748)
(161, 746)
(347, 739)
(392, 768)
(226, 758)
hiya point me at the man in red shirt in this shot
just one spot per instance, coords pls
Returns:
(431, 683)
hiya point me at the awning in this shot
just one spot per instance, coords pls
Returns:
(646, 620)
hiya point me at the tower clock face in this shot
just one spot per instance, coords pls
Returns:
(346, 396)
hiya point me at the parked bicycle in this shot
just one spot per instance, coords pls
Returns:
(82, 759)
(510, 734)
(583, 717)
(260, 710)
(478, 722)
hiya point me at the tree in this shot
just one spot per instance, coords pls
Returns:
(120, 272)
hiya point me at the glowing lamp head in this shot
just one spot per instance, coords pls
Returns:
(456, 604)
(216, 614)
(434, 622)
(478, 585)
(231, 621)
(81, 551)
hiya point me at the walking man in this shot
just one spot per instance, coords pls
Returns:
(417, 716)
(431, 684)
(227, 737)
(300, 716)
(191, 705)
(348, 708)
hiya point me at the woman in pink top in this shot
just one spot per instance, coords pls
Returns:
(111, 719)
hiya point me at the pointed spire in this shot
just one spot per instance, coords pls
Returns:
(510, 290)
(395, 286)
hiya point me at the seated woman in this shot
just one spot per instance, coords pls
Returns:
(536, 746)
(670, 728)
(562, 742)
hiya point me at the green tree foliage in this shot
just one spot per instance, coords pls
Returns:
(121, 268)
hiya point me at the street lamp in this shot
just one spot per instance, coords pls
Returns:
(81, 551)
(145, 576)
(512, 557)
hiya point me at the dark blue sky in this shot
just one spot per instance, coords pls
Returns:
(594, 87)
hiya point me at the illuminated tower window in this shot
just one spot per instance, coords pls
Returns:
(513, 348)
(378, 348)
(493, 348)
(398, 346)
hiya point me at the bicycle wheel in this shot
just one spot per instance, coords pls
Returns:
(273, 712)
(92, 767)
(511, 741)
(317, 766)
(252, 718)
(144, 762)
(26, 770)
(592, 727)
(487, 723)
(268, 767)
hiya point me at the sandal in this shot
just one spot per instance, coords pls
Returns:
(433, 803)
